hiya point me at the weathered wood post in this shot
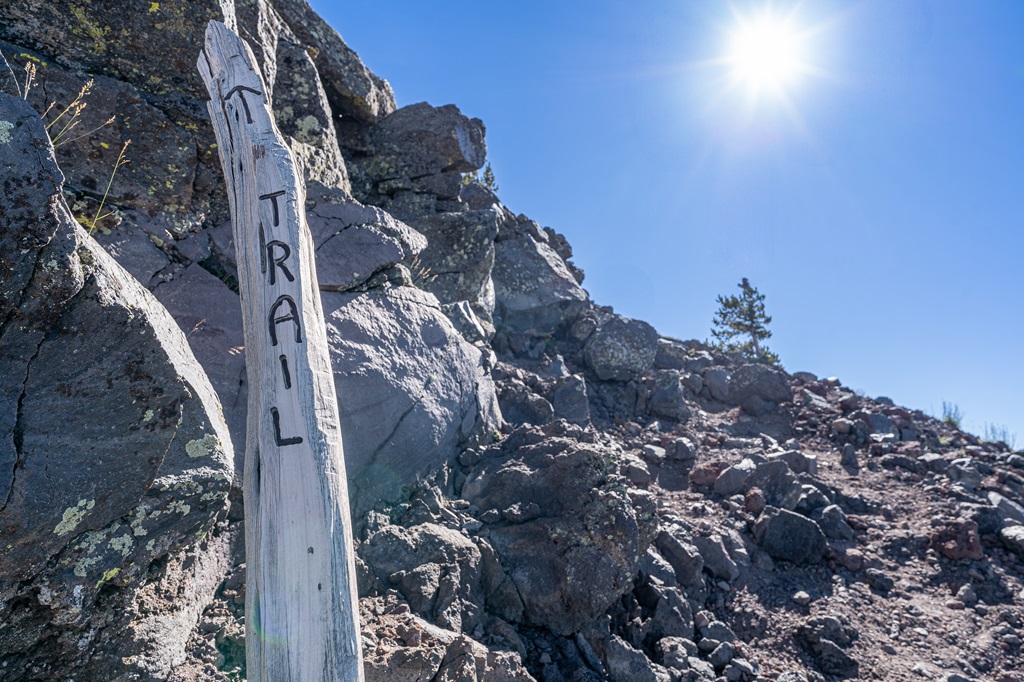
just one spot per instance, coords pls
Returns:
(301, 602)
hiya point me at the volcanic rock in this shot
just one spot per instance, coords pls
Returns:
(789, 536)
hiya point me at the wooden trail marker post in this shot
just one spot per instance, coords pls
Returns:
(302, 620)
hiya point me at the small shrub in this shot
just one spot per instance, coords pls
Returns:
(91, 224)
(487, 179)
(65, 123)
(952, 415)
(998, 433)
(69, 117)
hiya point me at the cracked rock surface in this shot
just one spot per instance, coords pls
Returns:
(114, 453)
(631, 507)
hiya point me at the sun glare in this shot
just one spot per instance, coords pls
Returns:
(765, 54)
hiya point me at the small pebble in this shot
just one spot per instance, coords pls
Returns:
(802, 598)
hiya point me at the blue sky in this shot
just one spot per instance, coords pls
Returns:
(878, 204)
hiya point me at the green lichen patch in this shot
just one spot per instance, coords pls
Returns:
(73, 516)
(202, 447)
(107, 576)
(122, 544)
(5, 131)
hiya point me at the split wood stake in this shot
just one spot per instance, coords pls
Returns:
(301, 604)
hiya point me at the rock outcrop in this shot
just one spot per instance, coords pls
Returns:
(115, 457)
(542, 488)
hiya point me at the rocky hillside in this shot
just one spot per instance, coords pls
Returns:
(542, 489)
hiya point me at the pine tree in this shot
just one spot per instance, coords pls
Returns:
(741, 325)
(487, 179)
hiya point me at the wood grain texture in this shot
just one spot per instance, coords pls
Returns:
(301, 601)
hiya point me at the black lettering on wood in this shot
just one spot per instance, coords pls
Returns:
(285, 373)
(293, 440)
(279, 261)
(263, 250)
(273, 200)
(292, 315)
(245, 105)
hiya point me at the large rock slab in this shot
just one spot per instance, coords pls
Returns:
(210, 314)
(162, 159)
(401, 647)
(422, 140)
(534, 290)
(413, 159)
(304, 116)
(154, 50)
(353, 242)
(437, 570)
(352, 89)
(622, 349)
(757, 387)
(789, 536)
(582, 552)
(459, 257)
(411, 390)
(114, 454)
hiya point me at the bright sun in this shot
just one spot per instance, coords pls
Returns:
(765, 54)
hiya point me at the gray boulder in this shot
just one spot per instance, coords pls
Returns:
(416, 157)
(717, 380)
(671, 355)
(114, 456)
(411, 391)
(303, 114)
(351, 88)
(626, 664)
(211, 316)
(422, 651)
(677, 547)
(833, 523)
(459, 257)
(355, 242)
(134, 250)
(622, 349)
(777, 482)
(825, 638)
(653, 565)
(668, 397)
(717, 561)
(789, 536)
(1009, 511)
(569, 400)
(436, 569)
(520, 405)
(875, 421)
(534, 290)
(733, 479)
(478, 197)
(753, 384)
(421, 140)
(583, 551)
(1013, 538)
(672, 616)
(799, 462)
